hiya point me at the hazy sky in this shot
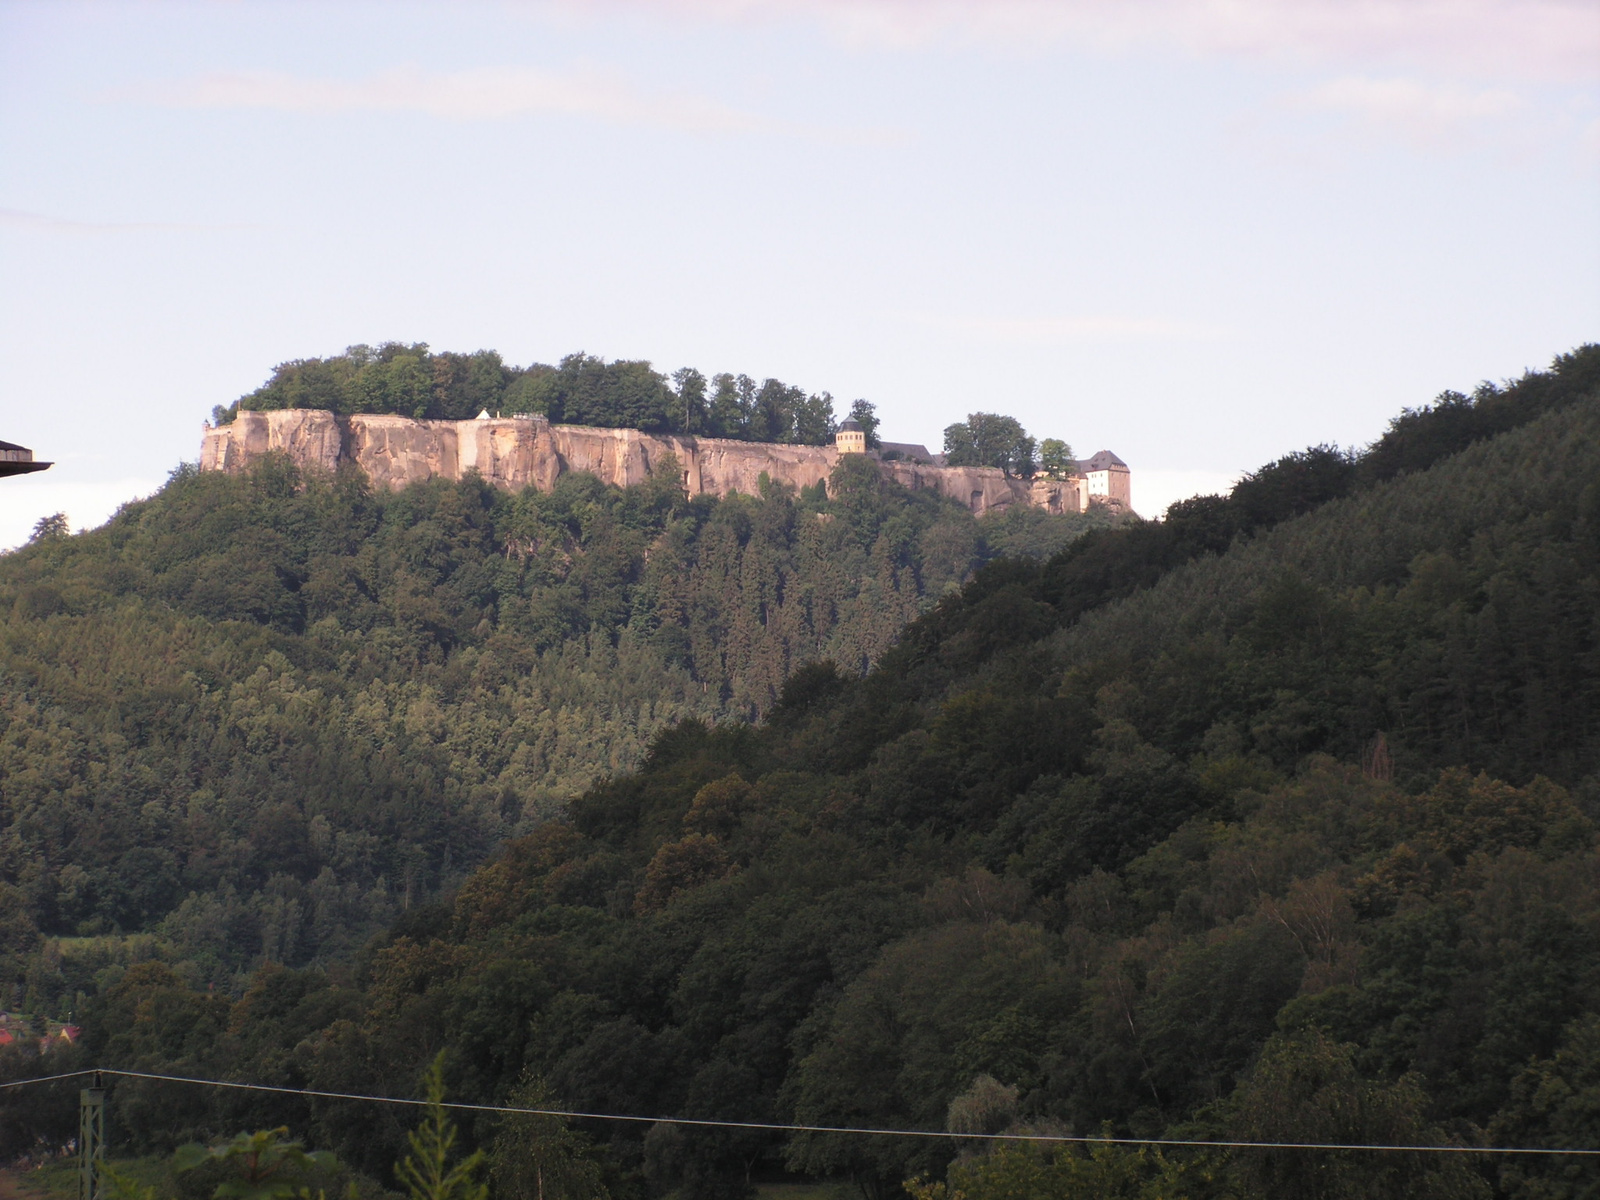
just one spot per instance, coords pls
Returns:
(1199, 234)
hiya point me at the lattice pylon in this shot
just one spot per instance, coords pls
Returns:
(91, 1141)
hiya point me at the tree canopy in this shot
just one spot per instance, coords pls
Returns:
(414, 381)
(1274, 821)
(257, 715)
(990, 440)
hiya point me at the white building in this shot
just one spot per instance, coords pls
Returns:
(1108, 478)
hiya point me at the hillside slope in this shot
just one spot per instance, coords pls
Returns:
(1152, 867)
(1455, 608)
(258, 716)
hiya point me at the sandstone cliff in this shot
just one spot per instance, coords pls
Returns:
(516, 452)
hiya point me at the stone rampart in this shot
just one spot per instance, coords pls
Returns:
(517, 452)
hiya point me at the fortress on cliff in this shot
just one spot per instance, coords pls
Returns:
(518, 451)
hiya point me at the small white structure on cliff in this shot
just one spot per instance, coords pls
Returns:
(528, 451)
(850, 439)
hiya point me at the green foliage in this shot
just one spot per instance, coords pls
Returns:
(1457, 589)
(1105, 1171)
(256, 1166)
(1256, 820)
(947, 988)
(49, 528)
(1306, 1088)
(413, 381)
(391, 378)
(427, 1172)
(1555, 1102)
(585, 390)
(1056, 459)
(257, 717)
(540, 1157)
(1108, 567)
(690, 410)
(46, 1109)
(125, 1185)
(1418, 438)
(990, 440)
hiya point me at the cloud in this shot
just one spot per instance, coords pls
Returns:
(1532, 39)
(1056, 331)
(1421, 113)
(480, 94)
(18, 219)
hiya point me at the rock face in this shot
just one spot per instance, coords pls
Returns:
(518, 452)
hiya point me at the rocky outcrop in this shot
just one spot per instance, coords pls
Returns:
(985, 489)
(518, 452)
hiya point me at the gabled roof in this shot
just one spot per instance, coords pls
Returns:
(911, 450)
(1104, 460)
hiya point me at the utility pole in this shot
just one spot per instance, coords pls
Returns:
(91, 1138)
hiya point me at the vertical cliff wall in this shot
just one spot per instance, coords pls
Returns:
(518, 452)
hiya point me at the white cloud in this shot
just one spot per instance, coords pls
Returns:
(1530, 39)
(484, 93)
(1420, 113)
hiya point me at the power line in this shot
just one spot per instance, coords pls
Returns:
(16, 1083)
(777, 1127)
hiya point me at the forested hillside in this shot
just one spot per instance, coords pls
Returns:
(256, 717)
(1274, 821)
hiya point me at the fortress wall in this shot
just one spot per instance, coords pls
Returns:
(516, 452)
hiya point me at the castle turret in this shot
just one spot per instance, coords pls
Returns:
(851, 439)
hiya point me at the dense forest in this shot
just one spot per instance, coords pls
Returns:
(1272, 821)
(254, 717)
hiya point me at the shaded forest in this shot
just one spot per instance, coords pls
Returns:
(1273, 821)
(256, 717)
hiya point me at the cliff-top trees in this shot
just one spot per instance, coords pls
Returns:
(391, 378)
(1056, 459)
(412, 381)
(990, 440)
(586, 390)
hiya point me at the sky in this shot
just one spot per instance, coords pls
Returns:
(1198, 233)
